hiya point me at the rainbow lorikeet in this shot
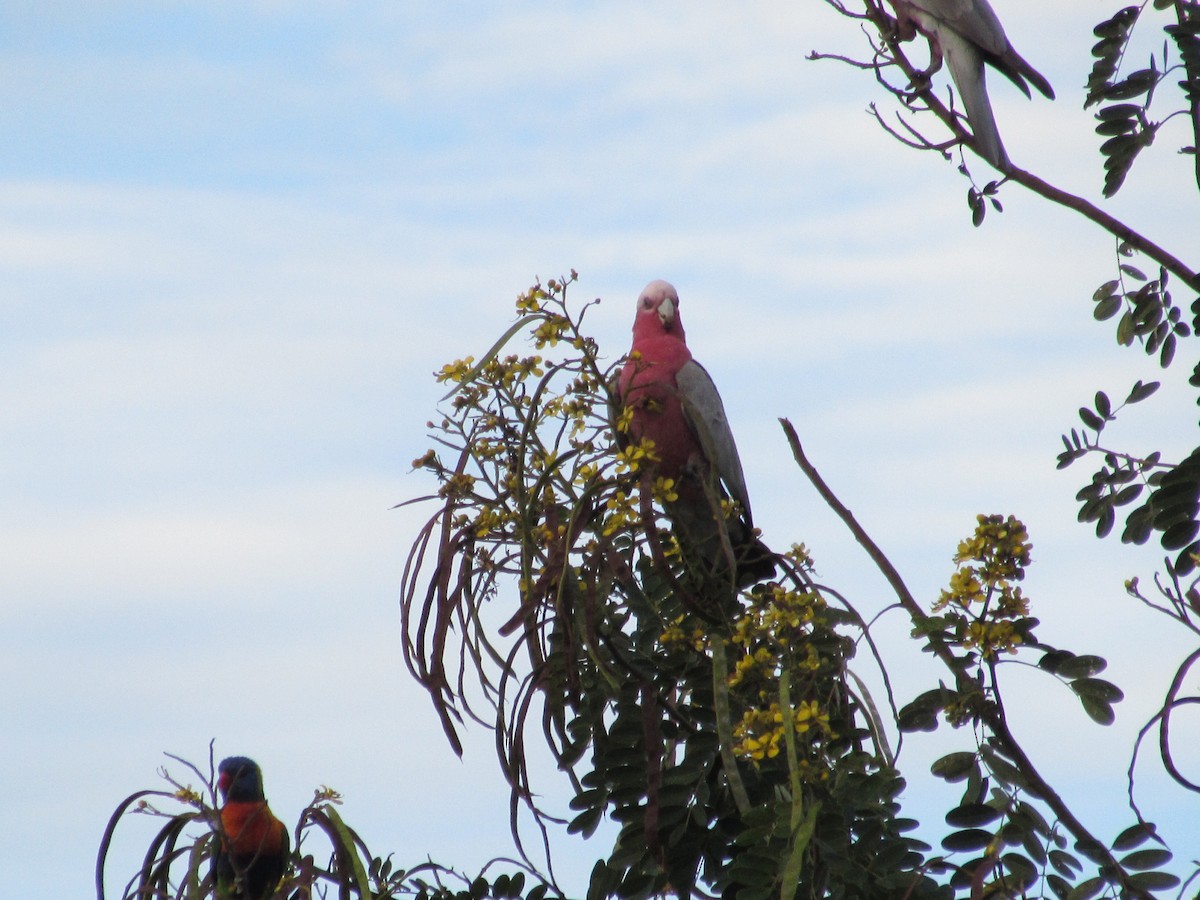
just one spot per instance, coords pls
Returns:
(253, 845)
(674, 403)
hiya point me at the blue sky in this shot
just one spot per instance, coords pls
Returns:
(238, 238)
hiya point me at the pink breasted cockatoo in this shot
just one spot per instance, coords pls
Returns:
(967, 34)
(675, 404)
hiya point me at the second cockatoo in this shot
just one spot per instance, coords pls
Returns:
(672, 401)
(967, 34)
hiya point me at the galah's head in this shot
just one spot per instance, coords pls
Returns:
(240, 779)
(658, 311)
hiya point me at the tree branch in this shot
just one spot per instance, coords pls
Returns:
(1111, 224)
(921, 89)
(989, 712)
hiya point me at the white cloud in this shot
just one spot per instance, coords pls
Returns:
(230, 261)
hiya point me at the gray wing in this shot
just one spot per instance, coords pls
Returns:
(962, 32)
(966, 68)
(706, 414)
(977, 22)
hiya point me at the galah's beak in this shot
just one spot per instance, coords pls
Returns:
(666, 313)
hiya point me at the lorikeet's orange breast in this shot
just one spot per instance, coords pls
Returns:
(251, 829)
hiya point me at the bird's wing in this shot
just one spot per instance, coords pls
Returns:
(966, 68)
(705, 414)
(975, 20)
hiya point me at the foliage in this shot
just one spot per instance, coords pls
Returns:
(1157, 498)
(722, 737)
(178, 863)
(731, 741)
(1146, 312)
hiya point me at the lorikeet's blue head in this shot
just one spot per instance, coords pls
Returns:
(240, 779)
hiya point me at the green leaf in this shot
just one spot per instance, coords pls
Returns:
(1058, 885)
(1022, 869)
(1002, 768)
(1150, 858)
(586, 822)
(954, 766)
(1097, 688)
(1081, 666)
(1180, 535)
(350, 850)
(1098, 710)
(972, 815)
(1141, 391)
(1090, 419)
(1125, 329)
(1154, 881)
(1119, 111)
(1107, 307)
(1065, 863)
(1138, 525)
(1136, 84)
(1093, 850)
(1168, 351)
(1085, 890)
(978, 211)
(967, 841)
(1127, 494)
(1053, 660)
(1134, 836)
(516, 326)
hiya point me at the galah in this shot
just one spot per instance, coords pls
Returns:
(253, 845)
(967, 34)
(674, 403)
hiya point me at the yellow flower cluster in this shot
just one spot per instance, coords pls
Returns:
(990, 638)
(1000, 544)
(326, 794)
(760, 734)
(428, 459)
(457, 485)
(988, 563)
(663, 490)
(621, 513)
(779, 616)
(455, 371)
(630, 458)
(530, 301)
(624, 419)
(492, 519)
(487, 448)
(674, 635)
(798, 554)
(189, 796)
(511, 370)
(550, 331)
(775, 634)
